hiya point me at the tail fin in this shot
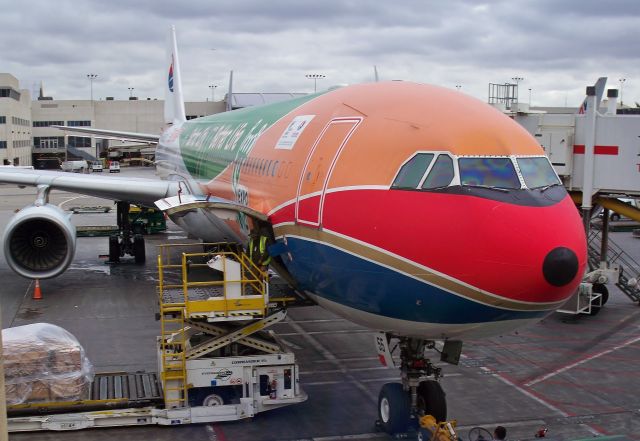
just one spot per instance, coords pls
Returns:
(600, 85)
(174, 100)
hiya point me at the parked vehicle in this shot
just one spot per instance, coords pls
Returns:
(75, 166)
(96, 166)
(114, 167)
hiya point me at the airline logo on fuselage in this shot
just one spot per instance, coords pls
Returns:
(171, 75)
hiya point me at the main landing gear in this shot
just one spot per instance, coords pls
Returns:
(126, 242)
(401, 405)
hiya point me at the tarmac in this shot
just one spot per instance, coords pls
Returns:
(575, 375)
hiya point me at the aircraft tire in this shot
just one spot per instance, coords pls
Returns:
(615, 217)
(139, 252)
(393, 408)
(432, 400)
(114, 249)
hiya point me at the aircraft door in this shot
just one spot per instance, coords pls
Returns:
(317, 170)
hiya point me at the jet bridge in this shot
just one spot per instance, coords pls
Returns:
(595, 152)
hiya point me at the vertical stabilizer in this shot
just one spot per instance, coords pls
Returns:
(599, 87)
(174, 100)
(230, 92)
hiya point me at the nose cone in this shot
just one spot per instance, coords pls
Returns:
(560, 266)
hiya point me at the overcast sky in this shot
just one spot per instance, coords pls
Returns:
(557, 46)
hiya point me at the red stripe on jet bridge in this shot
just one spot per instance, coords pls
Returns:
(578, 149)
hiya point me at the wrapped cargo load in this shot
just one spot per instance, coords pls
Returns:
(42, 363)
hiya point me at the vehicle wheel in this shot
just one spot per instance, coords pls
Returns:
(480, 433)
(213, 396)
(114, 249)
(599, 288)
(432, 400)
(615, 217)
(393, 408)
(139, 251)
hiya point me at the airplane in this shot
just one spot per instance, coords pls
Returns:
(410, 209)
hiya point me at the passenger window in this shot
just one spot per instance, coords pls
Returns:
(488, 172)
(411, 173)
(441, 173)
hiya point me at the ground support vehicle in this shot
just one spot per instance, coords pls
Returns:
(216, 359)
(97, 167)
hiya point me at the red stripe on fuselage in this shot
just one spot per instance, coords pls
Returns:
(578, 149)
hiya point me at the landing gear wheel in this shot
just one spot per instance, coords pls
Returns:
(393, 408)
(114, 249)
(479, 434)
(138, 249)
(432, 400)
(615, 217)
(599, 288)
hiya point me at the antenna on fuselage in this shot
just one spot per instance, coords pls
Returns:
(230, 92)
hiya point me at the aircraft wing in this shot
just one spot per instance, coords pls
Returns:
(142, 191)
(113, 134)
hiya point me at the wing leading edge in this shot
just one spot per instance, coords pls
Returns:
(136, 190)
(113, 134)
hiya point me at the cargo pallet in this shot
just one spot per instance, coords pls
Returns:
(216, 359)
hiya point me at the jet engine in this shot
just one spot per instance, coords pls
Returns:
(39, 242)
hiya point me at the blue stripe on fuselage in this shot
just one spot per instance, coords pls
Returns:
(358, 283)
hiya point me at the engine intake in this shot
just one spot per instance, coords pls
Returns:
(39, 242)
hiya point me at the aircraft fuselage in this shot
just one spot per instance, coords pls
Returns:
(406, 208)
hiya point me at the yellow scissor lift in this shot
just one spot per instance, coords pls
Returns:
(222, 296)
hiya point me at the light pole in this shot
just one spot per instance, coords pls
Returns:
(213, 91)
(92, 77)
(529, 97)
(517, 81)
(131, 91)
(622, 80)
(315, 78)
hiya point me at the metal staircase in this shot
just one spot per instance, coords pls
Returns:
(75, 152)
(629, 273)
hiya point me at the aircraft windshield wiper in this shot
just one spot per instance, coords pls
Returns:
(490, 187)
(547, 187)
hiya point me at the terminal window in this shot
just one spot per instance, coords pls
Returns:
(79, 141)
(82, 123)
(47, 123)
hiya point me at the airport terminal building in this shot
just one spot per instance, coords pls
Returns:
(27, 138)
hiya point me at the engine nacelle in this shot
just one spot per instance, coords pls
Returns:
(39, 242)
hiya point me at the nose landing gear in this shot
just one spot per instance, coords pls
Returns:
(401, 405)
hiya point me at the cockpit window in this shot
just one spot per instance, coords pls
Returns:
(441, 173)
(488, 172)
(411, 173)
(537, 172)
